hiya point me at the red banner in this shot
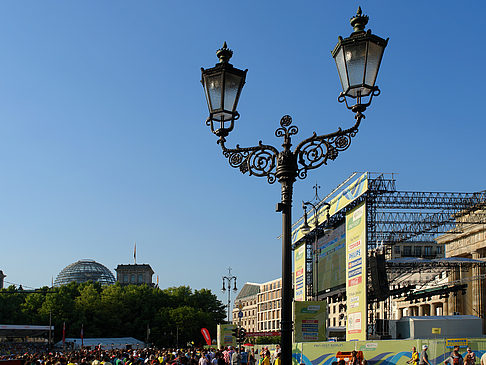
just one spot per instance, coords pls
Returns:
(206, 336)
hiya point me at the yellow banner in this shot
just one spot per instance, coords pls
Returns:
(351, 193)
(299, 274)
(356, 324)
(310, 321)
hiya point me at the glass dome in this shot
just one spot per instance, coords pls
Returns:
(85, 270)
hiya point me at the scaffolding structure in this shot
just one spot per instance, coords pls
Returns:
(395, 217)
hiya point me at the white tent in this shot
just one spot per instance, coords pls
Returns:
(106, 343)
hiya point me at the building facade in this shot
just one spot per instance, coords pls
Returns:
(136, 274)
(246, 303)
(261, 307)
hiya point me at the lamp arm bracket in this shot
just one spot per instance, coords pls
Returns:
(259, 160)
(315, 151)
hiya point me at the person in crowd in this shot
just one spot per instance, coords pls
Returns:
(454, 359)
(414, 360)
(424, 357)
(470, 358)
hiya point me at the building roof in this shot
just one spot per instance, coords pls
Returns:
(248, 290)
(85, 270)
(134, 266)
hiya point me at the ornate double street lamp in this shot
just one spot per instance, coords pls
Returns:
(358, 59)
(230, 278)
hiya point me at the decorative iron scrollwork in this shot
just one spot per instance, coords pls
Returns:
(315, 151)
(311, 153)
(258, 161)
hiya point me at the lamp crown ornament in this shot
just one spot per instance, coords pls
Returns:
(359, 21)
(224, 54)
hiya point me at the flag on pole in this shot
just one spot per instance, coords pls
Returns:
(157, 281)
(82, 335)
(206, 335)
(135, 253)
(63, 333)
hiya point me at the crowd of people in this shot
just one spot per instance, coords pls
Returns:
(39, 355)
(455, 358)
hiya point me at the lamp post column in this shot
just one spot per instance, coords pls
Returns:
(286, 173)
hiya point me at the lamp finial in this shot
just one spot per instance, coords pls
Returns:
(224, 54)
(359, 21)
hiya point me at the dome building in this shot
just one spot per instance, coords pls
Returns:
(85, 270)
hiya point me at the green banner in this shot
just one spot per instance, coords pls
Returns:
(225, 335)
(299, 274)
(310, 321)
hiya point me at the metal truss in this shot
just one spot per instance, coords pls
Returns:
(405, 216)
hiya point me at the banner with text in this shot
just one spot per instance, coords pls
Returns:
(356, 324)
(299, 274)
(310, 321)
(342, 200)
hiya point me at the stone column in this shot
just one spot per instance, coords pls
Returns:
(421, 310)
(445, 307)
(477, 300)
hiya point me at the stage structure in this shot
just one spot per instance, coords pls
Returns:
(371, 237)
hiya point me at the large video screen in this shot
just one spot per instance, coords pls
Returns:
(332, 259)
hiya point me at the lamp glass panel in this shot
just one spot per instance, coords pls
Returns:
(213, 86)
(355, 55)
(222, 116)
(231, 88)
(341, 66)
(375, 52)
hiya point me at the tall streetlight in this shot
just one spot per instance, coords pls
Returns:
(358, 59)
(315, 250)
(228, 279)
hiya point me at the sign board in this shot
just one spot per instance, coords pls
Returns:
(452, 342)
(240, 314)
(225, 335)
(310, 321)
(436, 331)
(356, 255)
(300, 272)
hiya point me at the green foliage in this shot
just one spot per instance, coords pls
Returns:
(267, 340)
(171, 314)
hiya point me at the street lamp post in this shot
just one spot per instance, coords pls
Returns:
(315, 250)
(228, 279)
(358, 59)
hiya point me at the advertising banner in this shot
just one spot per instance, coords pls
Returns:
(343, 199)
(225, 335)
(300, 272)
(310, 321)
(356, 324)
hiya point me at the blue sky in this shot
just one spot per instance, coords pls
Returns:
(103, 141)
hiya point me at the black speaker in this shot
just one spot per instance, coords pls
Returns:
(379, 279)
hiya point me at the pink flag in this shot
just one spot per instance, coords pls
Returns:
(206, 336)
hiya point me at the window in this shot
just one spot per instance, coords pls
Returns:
(125, 278)
(407, 251)
(417, 250)
(140, 278)
(438, 249)
(427, 250)
(397, 249)
(132, 278)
